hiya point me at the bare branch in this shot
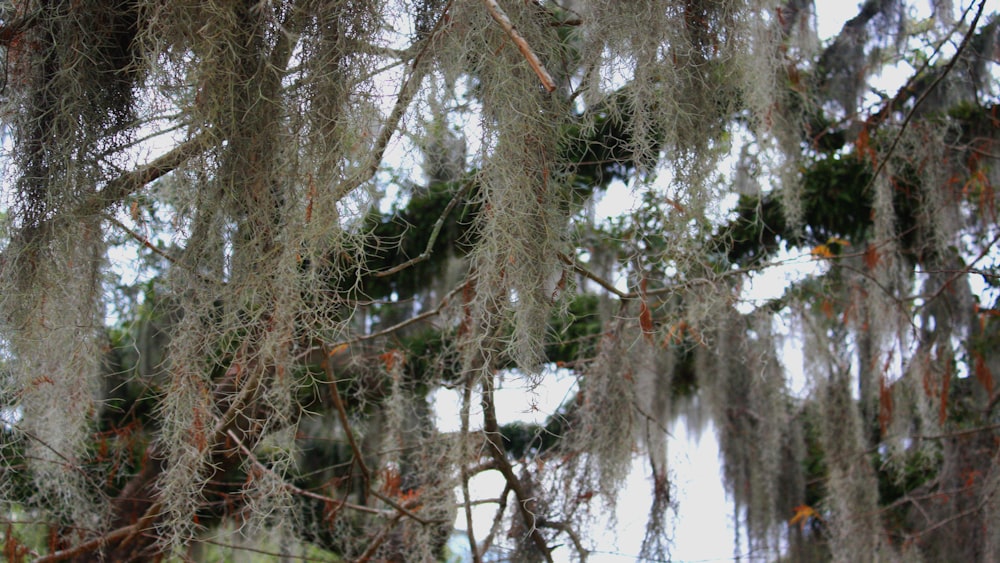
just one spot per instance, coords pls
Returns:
(569, 531)
(536, 65)
(470, 532)
(497, 519)
(923, 96)
(89, 546)
(345, 423)
(526, 503)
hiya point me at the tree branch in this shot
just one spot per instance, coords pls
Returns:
(525, 503)
(119, 188)
(379, 539)
(433, 237)
(406, 94)
(464, 414)
(89, 546)
(497, 519)
(366, 473)
(573, 536)
(883, 159)
(290, 487)
(338, 403)
(536, 65)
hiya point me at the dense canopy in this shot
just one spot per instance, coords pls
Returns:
(249, 248)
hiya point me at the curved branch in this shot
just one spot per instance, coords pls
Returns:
(569, 531)
(316, 496)
(124, 185)
(435, 232)
(470, 532)
(497, 519)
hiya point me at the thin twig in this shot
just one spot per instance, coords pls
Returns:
(956, 433)
(992, 403)
(118, 188)
(406, 94)
(403, 510)
(344, 422)
(525, 502)
(272, 555)
(67, 462)
(497, 519)
(288, 486)
(338, 403)
(432, 239)
(402, 324)
(569, 531)
(470, 533)
(536, 65)
(89, 546)
(964, 270)
(629, 295)
(592, 276)
(937, 80)
(379, 539)
(143, 239)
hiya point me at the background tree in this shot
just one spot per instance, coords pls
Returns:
(267, 359)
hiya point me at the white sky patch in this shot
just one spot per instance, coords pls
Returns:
(702, 525)
(515, 399)
(705, 532)
(772, 282)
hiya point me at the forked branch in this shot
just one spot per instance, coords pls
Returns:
(526, 504)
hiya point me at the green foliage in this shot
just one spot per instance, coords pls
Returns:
(757, 232)
(523, 441)
(600, 147)
(404, 234)
(835, 206)
(575, 333)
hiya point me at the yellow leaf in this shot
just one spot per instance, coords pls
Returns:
(821, 251)
(802, 515)
(337, 349)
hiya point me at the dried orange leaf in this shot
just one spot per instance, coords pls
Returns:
(646, 320)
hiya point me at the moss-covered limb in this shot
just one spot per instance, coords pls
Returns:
(432, 238)
(434, 226)
(599, 147)
(401, 238)
(418, 69)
